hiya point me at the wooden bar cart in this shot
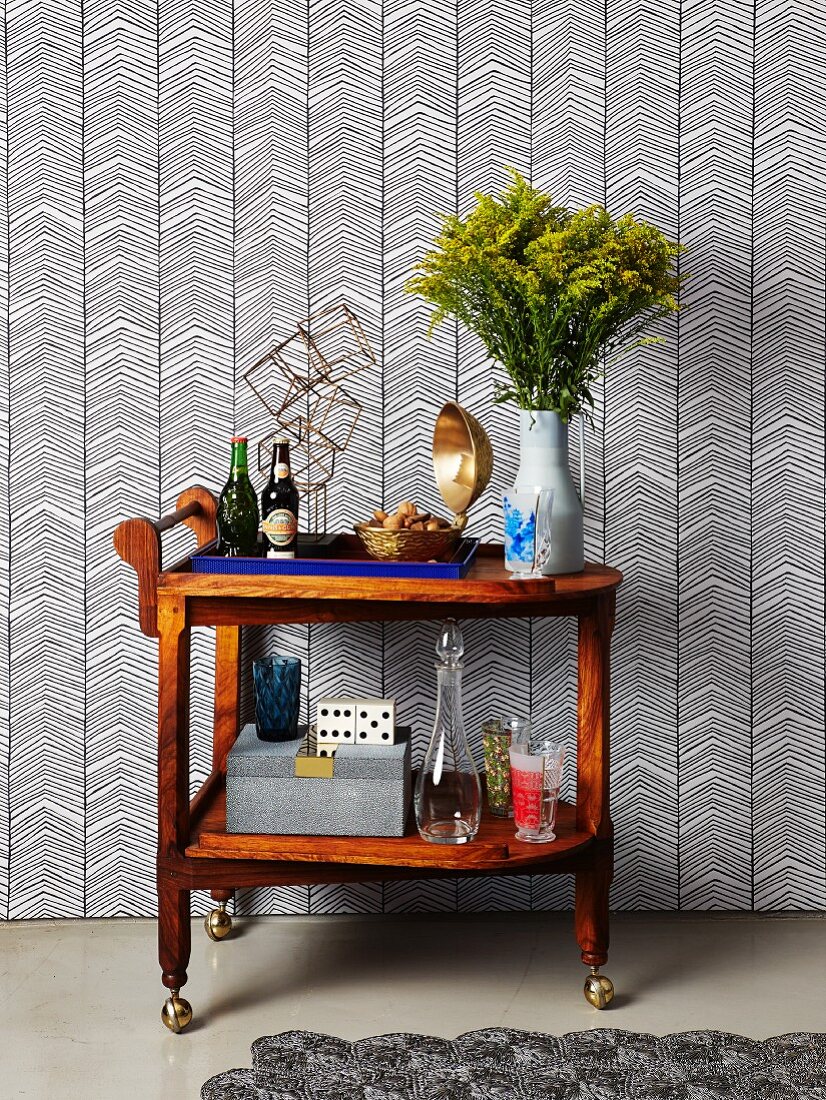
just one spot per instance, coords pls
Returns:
(194, 849)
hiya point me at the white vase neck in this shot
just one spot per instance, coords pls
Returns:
(542, 428)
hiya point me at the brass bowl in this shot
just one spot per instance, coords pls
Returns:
(405, 545)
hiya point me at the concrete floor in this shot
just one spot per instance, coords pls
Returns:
(81, 999)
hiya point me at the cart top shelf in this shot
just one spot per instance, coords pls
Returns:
(488, 589)
(487, 582)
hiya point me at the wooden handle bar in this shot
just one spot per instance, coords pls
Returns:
(138, 542)
(165, 522)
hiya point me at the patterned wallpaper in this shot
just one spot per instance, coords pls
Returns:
(180, 185)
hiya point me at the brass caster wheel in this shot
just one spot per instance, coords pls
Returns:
(218, 923)
(176, 1013)
(599, 990)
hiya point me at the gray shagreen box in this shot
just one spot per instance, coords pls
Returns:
(368, 794)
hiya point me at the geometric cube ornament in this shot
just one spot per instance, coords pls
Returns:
(299, 383)
(336, 343)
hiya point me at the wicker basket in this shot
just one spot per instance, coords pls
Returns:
(462, 463)
(389, 545)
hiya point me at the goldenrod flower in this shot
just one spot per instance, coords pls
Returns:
(552, 293)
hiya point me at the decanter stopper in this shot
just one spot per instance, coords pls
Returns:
(450, 644)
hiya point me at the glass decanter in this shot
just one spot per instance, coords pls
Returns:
(448, 793)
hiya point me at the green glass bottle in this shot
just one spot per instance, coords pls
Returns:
(238, 508)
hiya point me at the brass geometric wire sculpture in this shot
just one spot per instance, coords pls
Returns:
(299, 383)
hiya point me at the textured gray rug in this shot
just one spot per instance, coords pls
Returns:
(503, 1064)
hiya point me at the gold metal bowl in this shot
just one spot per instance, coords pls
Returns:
(462, 459)
(406, 545)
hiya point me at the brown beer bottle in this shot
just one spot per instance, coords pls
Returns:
(279, 505)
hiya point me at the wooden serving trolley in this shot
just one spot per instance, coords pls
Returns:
(194, 849)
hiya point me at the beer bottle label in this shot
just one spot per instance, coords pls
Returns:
(282, 469)
(280, 526)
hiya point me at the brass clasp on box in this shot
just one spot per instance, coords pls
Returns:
(314, 767)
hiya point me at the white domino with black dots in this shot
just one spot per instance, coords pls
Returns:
(344, 721)
(335, 724)
(375, 721)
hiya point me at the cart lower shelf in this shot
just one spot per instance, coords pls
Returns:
(495, 848)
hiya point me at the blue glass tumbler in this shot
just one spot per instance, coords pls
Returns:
(277, 697)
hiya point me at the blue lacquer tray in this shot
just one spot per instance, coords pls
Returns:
(341, 556)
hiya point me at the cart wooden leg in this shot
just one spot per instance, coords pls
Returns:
(591, 919)
(593, 882)
(174, 944)
(594, 719)
(218, 922)
(173, 802)
(226, 724)
(592, 887)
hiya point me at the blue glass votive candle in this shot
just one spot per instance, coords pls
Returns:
(277, 683)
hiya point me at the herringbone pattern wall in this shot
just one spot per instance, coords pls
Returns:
(180, 183)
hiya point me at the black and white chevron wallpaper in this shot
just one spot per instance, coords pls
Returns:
(181, 182)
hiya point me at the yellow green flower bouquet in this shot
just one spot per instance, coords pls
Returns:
(553, 294)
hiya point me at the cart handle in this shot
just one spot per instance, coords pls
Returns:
(138, 542)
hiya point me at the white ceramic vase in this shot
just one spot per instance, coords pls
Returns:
(544, 465)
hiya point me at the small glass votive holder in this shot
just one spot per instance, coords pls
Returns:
(277, 682)
(496, 745)
(536, 776)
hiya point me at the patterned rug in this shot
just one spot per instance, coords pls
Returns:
(503, 1064)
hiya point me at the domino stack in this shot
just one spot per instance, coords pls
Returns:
(343, 721)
